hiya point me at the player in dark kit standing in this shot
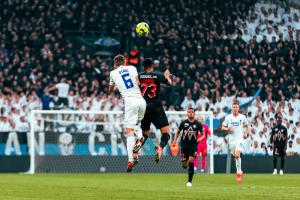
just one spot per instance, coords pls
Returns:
(191, 129)
(279, 141)
(150, 83)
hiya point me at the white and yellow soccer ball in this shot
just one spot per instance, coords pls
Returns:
(142, 29)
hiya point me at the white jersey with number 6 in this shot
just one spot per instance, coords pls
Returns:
(124, 78)
(237, 123)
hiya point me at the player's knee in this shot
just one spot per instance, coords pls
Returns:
(191, 160)
(237, 155)
(165, 130)
(146, 132)
(129, 131)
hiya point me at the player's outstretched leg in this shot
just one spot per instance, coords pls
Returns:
(130, 144)
(238, 163)
(165, 137)
(135, 157)
(139, 143)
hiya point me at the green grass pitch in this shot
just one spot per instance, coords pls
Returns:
(147, 186)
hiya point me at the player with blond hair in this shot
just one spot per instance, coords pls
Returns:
(125, 78)
(237, 127)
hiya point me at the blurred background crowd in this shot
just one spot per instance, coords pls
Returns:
(58, 55)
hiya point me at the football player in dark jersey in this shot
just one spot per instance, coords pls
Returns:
(191, 129)
(150, 83)
(279, 140)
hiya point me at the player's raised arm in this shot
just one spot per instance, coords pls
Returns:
(168, 77)
(137, 77)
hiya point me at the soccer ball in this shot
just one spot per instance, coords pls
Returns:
(142, 29)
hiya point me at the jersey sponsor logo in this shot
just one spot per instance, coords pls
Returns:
(190, 133)
(279, 135)
(235, 123)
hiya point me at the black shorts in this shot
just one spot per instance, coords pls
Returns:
(64, 101)
(155, 114)
(188, 151)
(278, 151)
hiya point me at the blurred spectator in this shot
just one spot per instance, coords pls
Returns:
(62, 92)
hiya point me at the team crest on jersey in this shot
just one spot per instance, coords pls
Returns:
(195, 126)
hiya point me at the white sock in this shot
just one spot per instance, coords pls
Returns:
(238, 164)
(138, 131)
(130, 145)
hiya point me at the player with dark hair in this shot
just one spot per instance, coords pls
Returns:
(150, 83)
(191, 129)
(279, 140)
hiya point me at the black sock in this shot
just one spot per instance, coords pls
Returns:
(191, 171)
(275, 162)
(164, 139)
(282, 162)
(145, 138)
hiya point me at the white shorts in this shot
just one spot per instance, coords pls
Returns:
(135, 109)
(236, 146)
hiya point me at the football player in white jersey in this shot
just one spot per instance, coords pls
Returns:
(237, 126)
(125, 79)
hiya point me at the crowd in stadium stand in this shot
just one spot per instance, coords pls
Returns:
(216, 52)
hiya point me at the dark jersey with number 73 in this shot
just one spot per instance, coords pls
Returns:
(150, 85)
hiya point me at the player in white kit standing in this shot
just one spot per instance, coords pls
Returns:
(237, 126)
(125, 78)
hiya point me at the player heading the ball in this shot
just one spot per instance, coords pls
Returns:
(150, 83)
(125, 78)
